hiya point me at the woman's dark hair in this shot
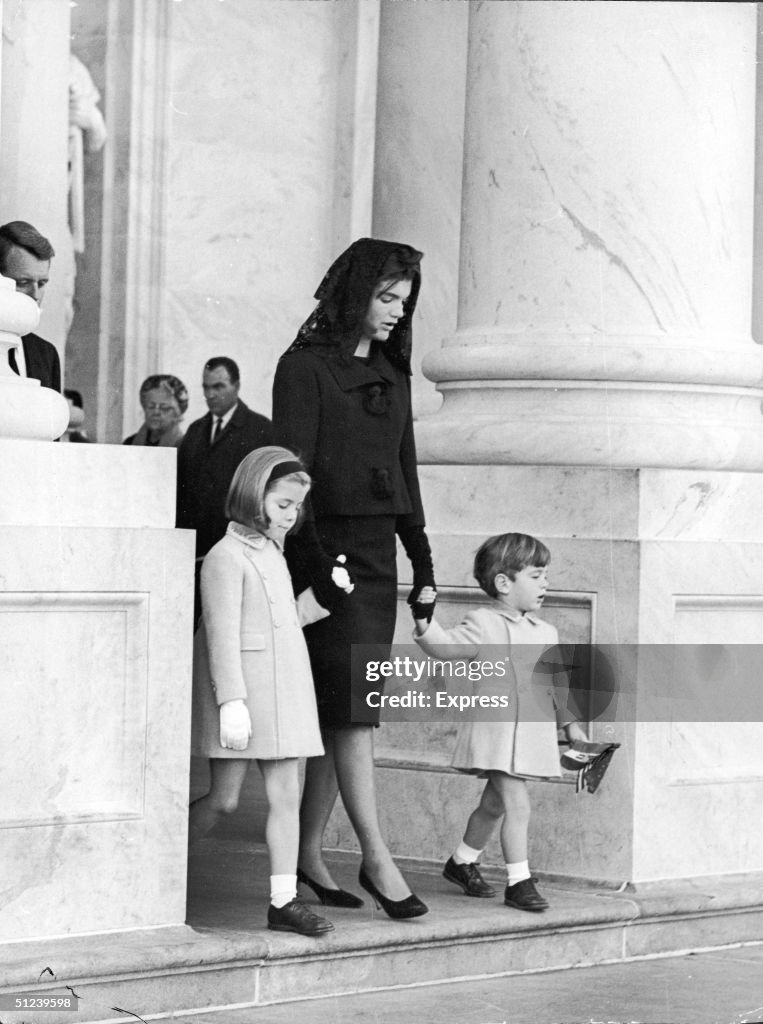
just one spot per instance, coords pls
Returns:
(507, 553)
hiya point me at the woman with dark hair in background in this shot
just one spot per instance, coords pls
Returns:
(342, 401)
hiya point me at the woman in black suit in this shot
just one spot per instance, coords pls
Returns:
(342, 400)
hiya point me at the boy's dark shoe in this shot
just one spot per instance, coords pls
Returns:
(296, 917)
(524, 896)
(468, 877)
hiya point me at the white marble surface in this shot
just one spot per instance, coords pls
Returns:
(606, 261)
(96, 667)
(249, 212)
(593, 423)
(96, 596)
(591, 503)
(419, 160)
(657, 557)
(604, 192)
(33, 163)
(86, 485)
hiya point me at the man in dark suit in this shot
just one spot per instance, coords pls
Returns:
(211, 450)
(25, 257)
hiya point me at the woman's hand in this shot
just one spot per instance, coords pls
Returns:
(235, 725)
(422, 606)
(340, 577)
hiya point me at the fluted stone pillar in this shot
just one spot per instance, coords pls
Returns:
(605, 289)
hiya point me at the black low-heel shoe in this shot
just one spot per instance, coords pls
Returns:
(296, 917)
(411, 906)
(330, 897)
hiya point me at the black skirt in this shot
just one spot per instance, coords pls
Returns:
(363, 620)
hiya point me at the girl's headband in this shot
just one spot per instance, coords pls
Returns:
(286, 469)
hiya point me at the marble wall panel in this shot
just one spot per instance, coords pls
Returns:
(698, 782)
(250, 183)
(98, 673)
(84, 644)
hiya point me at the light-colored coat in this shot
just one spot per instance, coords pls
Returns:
(520, 739)
(250, 646)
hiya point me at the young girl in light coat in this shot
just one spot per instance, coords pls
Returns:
(253, 689)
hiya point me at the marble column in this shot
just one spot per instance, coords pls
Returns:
(418, 160)
(34, 132)
(606, 274)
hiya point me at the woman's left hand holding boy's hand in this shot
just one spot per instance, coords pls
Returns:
(235, 725)
(423, 604)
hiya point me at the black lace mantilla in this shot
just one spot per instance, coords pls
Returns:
(333, 328)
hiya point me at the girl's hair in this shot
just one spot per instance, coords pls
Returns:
(251, 482)
(507, 553)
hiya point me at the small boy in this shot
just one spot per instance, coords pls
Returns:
(512, 569)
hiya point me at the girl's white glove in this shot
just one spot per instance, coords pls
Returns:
(341, 577)
(235, 725)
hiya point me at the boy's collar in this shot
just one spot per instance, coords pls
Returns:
(513, 615)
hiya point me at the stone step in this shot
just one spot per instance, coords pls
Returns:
(225, 958)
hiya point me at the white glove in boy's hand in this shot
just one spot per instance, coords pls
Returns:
(235, 725)
(341, 577)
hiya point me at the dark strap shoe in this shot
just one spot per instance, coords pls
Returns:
(296, 917)
(524, 896)
(468, 877)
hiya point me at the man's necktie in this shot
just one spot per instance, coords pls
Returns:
(12, 360)
(218, 429)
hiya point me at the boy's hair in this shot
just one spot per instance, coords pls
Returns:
(508, 553)
(246, 496)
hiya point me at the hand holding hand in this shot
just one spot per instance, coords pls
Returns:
(340, 577)
(235, 725)
(422, 604)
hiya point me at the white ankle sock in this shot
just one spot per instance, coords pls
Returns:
(518, 872)
(466, 854)
(283, 889)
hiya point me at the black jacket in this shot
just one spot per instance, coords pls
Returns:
(351, 424)
(42, 361)
(204, 471)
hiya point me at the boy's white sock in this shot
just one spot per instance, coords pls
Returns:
(283, 889)
(466, 854)
(518, 872)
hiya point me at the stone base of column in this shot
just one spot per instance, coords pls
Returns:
(638, 557)
(96, 594)
(596, 423)
(583, 399)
